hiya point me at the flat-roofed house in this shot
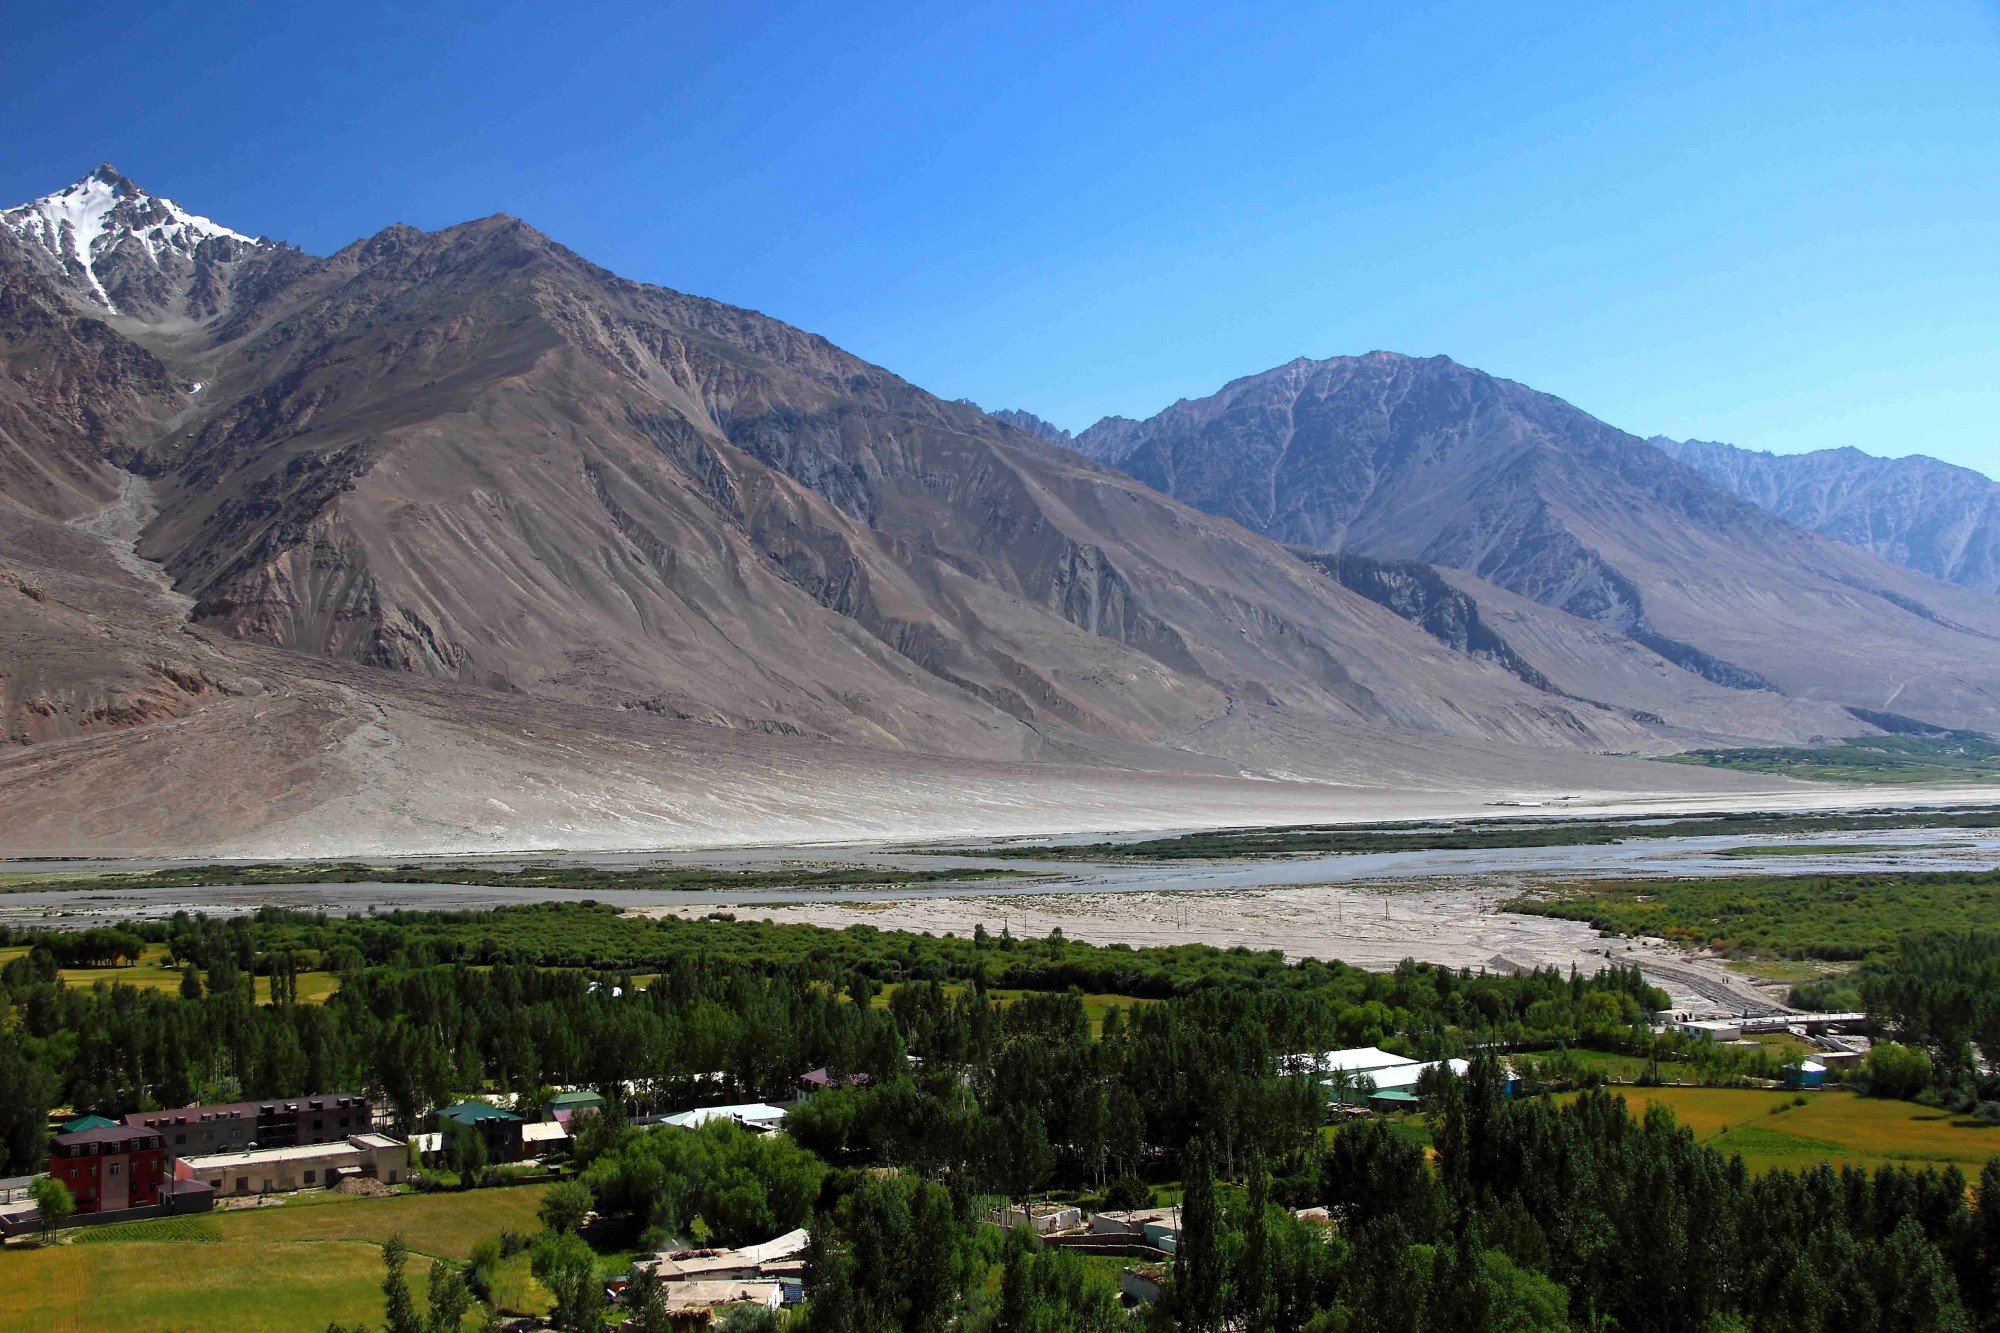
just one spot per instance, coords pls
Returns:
(781, 1256)
(688, 1297)
(1132, 1222)
(302, 1167)
(819, 1080)
(759, 1116)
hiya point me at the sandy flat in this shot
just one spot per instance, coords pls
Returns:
(1375, 926)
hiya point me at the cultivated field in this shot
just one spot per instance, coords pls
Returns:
(1095, 1007)
(152, 973)
(1769, 1131)
(313, 1260)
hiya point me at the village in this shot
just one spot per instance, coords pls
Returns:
(193, 1160)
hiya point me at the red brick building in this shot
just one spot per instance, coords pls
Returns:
(110, 1167)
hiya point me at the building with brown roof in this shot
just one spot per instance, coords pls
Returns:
(110, 1167)
(275, 1122)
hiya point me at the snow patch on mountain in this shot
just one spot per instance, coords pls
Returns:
(83, 223)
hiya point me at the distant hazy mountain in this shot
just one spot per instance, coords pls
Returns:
(1399, 458)
(1918, 512)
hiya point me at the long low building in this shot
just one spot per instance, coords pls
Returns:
(779, 1256)
(759, 1116)
(691, 1297)
(280, 1122)
(308, 1166)
(1405, 1077)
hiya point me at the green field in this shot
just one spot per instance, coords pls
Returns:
(1094, 1006)
(313, 1260)
(1764, 851)
(1778, 916)
(1946, 758)
(1769, 1132)
(151, 972)
(1618, 1068)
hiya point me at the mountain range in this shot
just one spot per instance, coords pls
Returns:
(453, 539)
(1918, 512)
(1505, 490)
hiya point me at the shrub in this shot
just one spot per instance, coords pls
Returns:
(1126, 1193)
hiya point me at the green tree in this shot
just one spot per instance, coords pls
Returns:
(1915, 1286)
(467, 1147)
(1196, 1297)
(1044, 1290)
(565, 1265)
(1254, 1277)
(646, 1297)
(891, 1256)
(399, 1311)
(1520, 1300)
(450, 1298)
(28, 1088)
(52, 1202)
(565, 1206)
(1895, 1070)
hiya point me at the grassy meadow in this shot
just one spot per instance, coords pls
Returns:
(1769, 1130)
(1095, 1007)
(1848, 916)
(1477, 834)
(655, 879)
(313, 1260)
(1943, 759)
(151, 972)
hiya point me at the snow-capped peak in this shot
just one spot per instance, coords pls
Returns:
(90, 220)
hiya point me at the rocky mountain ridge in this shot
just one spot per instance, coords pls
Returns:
(1915, 511)
(473, 456)
(1034, 425)
(129, 252)
(1399, 458)
(449, 526)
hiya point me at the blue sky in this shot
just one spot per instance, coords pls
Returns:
(1776, 225)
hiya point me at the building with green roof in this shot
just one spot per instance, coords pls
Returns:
(563, 1105)
(498, 1131)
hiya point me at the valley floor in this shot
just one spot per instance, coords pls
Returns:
(1372, 910)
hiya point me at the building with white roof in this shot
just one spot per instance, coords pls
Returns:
(1354, 1060)
(307, 1166)
(1404, 1077)
(760, 1116)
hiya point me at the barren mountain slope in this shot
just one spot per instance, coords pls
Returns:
(473, 458)
(1917, 512)
(1398, 458)
(475, 455)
